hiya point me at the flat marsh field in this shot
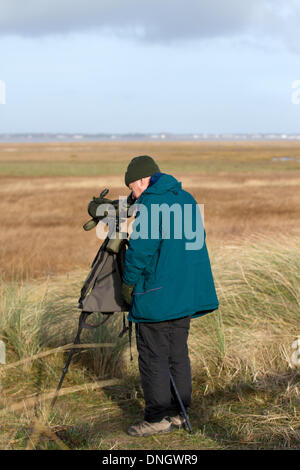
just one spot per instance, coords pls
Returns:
(246, 392)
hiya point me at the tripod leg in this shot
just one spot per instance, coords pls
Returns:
(181, 404)
(82, 318)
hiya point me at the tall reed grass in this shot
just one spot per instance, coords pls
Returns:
(251, 335)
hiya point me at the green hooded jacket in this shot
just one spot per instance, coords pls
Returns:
(170, 269)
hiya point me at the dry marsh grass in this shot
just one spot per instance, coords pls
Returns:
(242, 189)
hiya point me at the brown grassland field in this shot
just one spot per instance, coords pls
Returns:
(246, 391)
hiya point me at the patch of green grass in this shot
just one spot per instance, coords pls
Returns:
(214, 166)
(46, 168)
(80, 168)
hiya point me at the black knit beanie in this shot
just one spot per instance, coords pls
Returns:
(140, 167)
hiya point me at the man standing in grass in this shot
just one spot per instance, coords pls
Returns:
(167, 280)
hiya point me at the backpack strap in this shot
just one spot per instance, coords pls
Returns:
(88, 326)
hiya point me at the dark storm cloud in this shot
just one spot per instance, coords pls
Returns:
(152, 20)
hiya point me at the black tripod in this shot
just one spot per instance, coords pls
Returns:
(81, 325)
(187, 419)
(82, 317)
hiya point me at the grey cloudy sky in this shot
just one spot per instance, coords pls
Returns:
(153, 20)
(190, 64)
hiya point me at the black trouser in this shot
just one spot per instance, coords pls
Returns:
(162, 346)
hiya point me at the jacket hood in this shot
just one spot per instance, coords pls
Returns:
(161, 183)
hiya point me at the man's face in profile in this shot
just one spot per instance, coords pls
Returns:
(139, 186)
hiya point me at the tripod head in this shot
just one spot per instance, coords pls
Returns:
(93, 208)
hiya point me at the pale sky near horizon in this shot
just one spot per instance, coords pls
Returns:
(124, 66)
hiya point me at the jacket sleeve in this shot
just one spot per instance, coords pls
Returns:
(141, 248)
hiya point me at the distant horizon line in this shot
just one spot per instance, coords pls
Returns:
(15, 137)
